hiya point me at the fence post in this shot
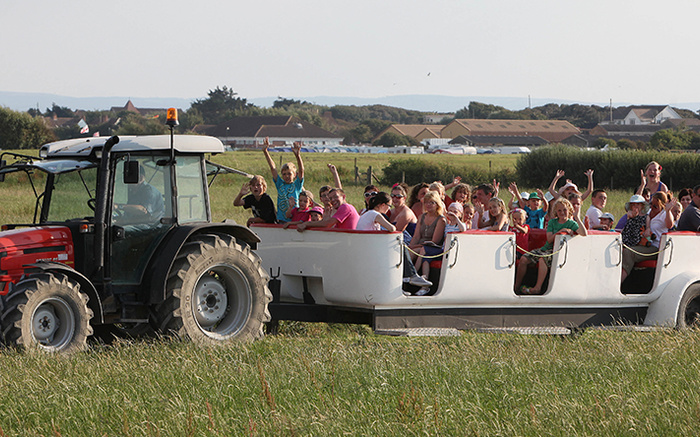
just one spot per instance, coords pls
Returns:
(403, 177)
(357, 172)
(369, 175)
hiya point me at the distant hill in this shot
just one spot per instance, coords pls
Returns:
(425, 103)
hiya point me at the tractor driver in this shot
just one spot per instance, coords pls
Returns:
(145, 203)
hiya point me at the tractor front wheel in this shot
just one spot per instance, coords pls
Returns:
(216, 292)
(47, 311)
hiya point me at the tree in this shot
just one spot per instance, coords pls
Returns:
(221, 105)
(18, 130)
(59, 111)
(391, 139)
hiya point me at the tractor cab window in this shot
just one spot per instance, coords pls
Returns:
(191, 195)
(72, 195)
(144, 202)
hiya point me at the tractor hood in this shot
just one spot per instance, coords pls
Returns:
(20, 248)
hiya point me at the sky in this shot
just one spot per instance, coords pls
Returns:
(640, 52)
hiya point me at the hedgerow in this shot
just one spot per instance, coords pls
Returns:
(618, 169)
(416, 170)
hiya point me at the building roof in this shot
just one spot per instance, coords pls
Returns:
(505, 140)
(412, 130)
(550, 130)
(269, 126)
(130, 107)
(639, 129)
(642, 111)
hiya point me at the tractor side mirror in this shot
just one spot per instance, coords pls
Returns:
(3, 163)
(131, 172)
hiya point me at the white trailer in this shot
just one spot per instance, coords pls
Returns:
(355, 276)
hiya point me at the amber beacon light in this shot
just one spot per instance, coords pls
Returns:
(172, 118)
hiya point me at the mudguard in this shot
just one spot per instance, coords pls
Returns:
(86, 286)
(664, 310)
(164, 256)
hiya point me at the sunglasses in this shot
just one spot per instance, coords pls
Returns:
(370, 194)
(397, 196)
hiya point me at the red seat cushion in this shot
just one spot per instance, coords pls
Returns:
(436, 264)
(537, 238)
(648, 264)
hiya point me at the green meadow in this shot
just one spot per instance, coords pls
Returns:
(321, 379)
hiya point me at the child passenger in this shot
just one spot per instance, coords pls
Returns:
(258, 201)
(521, 229)
(497, 217)
(567, 221)
(300, 213)
(454, 216)
(290, 184)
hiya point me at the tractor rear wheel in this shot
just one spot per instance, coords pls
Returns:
(216, 292)
(47, 311)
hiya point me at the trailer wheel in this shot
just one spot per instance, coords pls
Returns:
(47, 311)
(689, 308)
(216, 292)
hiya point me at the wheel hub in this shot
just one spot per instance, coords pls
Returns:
(211, 301)
(45, 323)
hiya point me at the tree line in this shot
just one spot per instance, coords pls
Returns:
(356, 124)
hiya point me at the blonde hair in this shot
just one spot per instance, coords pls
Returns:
(437, 186)
(500, 203)
(435, 197)
(259, 179)
(567, 204)
(290, 166)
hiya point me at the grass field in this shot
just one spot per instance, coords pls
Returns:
(325, 380)
(344, 380)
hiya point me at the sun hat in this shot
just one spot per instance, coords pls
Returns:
(567, 185)
(607, 215)
(548, 196)
(534, 196)
(317, 209)
(525, 196)
(456, 205)
(636, 198)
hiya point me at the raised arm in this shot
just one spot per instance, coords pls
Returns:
(582, 231)
(545, 204)
(513, 188)
(454, 183)
(270, 162)
(296, 148)
(553, 185)
(589, 190)
(245, 189)
(336, 176)
(643, 184)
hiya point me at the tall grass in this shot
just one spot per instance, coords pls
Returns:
(351, 382)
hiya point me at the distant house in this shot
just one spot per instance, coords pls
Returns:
(419, 132)
(552, 131)
(281, 130)
(130, 107)
(636, 115)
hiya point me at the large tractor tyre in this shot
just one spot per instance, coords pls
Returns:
(216, 292)
(47, 311)
(689, 308)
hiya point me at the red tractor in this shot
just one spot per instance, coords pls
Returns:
(122, 241)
